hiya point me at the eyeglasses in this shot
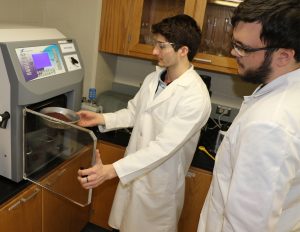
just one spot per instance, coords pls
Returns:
(162, 45)
(244, 51)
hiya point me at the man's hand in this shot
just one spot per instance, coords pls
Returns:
(96, 175)
(89, 119)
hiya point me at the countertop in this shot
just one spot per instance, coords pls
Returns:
(9, 188)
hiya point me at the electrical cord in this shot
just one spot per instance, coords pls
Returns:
(219, 119)
(217, 124)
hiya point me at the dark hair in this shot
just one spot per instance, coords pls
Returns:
(182, 30)
(280, 20)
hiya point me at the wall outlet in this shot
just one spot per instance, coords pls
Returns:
(224, 110)
(217, 114)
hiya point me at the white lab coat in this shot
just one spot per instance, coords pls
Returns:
(256, 180)
(150, 194)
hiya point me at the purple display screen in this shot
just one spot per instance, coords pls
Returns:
(41, 60)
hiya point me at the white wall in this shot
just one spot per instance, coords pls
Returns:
(106, 70)
(28, 12)
(132, 71)
(78, 19)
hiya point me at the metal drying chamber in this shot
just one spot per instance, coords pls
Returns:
(39, 67)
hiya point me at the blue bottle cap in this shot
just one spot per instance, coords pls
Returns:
(92, 93)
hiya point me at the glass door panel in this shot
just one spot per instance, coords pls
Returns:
(217, 28)
(53, 154)
(148, 12)
(153, 12)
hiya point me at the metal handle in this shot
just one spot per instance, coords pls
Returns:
(203, 60)
(190, 174)
(61, 172)
(36, 191)
(14, 206)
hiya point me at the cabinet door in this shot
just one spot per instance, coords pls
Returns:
(215, 47)
(116, 18)
(197, 185)
(213, 17)
(148, 12)
(23, 213)
(103, 195)
(60, 214)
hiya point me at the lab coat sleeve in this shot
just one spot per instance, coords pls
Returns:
(187, 121)
(264, 168)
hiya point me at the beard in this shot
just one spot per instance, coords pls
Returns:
(259, 75)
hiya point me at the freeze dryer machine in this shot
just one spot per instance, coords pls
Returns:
(39, 67)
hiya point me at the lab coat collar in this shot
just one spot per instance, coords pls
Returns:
(261, 90)
(183, 80)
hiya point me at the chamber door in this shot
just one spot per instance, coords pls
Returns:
(52, 155)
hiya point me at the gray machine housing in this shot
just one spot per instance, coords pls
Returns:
(17, 93)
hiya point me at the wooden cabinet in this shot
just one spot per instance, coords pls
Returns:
(60, 214)
(125, 29)
(103, 195)
(116, 18)
(197, 185)
(39, 210)
(23, 212)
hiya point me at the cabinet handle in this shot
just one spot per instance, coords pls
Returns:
(190, 174)
(129, 38)
(36, 191)
(49, 184)
(61, 172)
(14, 206)
(203, 60)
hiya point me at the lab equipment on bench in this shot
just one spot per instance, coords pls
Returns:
(39, 67)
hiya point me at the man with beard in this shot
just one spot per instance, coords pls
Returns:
(256, 179)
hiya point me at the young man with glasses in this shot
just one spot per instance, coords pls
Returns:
(256, 179)
(166, 114)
